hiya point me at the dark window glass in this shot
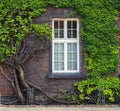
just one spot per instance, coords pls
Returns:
(56, 33)
(74, 24)
(74, 33)
(68, 33)
(61, 34)
(61, 25)
(69, 24)
(56, 24)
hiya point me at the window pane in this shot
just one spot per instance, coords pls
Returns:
(75, 57)
(68, 33)
(55, 57)
(61, 25)
(56, 66)
(62, 57)
(56, 24)
(69, 24)
(61, 66)
(75, 66)
(74, 33)
(74, 24)
(69, 66)
(56, 33)
(69, 57)
(69, 47)
(61, 34)
(61, 47)
(56, 47)
(74, 46)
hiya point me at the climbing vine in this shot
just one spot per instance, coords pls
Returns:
(98, 31)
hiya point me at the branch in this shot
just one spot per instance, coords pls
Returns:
(19, 92)
(53, 99)
(21, 72)
(11, 102)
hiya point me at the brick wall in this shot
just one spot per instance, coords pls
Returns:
(5, 86)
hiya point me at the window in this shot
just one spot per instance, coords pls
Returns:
(65, 45)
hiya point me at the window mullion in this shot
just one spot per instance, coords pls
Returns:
(71, 29)
(65, 29)
(58, 29)
(53, 29)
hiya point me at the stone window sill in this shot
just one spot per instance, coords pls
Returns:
(66, 76)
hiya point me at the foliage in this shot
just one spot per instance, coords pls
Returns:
(99, 90)
(16, 22)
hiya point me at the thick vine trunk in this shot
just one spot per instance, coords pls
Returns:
(24, 83)
(22, 77)
(19, 92)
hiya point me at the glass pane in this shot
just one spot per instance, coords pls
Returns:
(69, 66)
(56, 66)
(68, 33)
(74, 47)
(74, 57)
(68, 47)
(61, 65)
(56, 57)
(56, 24)
(62, 57)
(56, 47)
(61, 34)
(56, 33)
(74, 24)
(75, 66)
(74, 33)
(69, 57)
(61, 25)
(61, 47)
(69, 24)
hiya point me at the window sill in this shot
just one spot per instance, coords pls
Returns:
(66, 76)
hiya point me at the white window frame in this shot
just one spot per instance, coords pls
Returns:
(65, 41)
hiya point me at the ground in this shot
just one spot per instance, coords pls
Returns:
(61, 108)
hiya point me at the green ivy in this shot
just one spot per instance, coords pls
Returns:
(105, 90)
